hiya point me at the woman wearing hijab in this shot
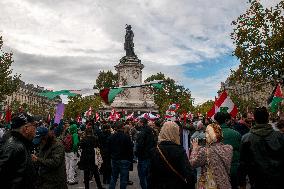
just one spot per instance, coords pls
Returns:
(214, 159)
(170, 167)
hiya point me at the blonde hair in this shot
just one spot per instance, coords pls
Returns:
(169, 132)
(214, 132)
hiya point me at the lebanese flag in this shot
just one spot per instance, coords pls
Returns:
(108, 95)
(130, 116)
(114, 115)
(214, 109)
(223, 103)
(189, 115)
(79, 119)
(97, 116)
(89, 112)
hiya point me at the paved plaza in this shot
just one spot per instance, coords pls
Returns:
(133, 175)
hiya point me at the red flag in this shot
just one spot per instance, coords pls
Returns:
(104, 95)
(213, 110)
(130, 116)
(48, 118)
(79, 119)
(89, 112)
(97, 116)
(8, 117)
(184, 118)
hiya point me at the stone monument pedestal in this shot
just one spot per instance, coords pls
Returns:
(134, 99)
(137, 98)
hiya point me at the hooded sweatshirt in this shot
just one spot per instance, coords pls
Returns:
(262, 129)
(75, 138)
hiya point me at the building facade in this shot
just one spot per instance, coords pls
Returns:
(29, 94)
(258, 92)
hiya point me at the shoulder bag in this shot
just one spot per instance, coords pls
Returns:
(206, 179)
(170, 166)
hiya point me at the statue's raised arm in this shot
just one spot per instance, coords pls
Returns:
(129, 45)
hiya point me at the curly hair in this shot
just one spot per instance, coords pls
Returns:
(217, 131)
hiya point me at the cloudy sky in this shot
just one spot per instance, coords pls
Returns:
(64, 44)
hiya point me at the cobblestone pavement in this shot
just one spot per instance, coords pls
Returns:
(133, 176)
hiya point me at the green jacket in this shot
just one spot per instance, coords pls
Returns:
(51, 163)
(232, 138)
(75, 138)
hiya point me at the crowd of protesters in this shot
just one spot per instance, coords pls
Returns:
(224, 153)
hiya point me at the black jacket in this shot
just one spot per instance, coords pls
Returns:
(120, 146)
(51, 163)
(87, 159)
(262, 157)
(161, 176)
(146, 140)
(104, 146)
(16, 166)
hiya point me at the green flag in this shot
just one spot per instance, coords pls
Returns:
(53, 94)
(157, 85)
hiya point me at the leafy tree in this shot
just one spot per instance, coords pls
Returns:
(8, 83)
(243, 105)
(171, 93)
(15, 106)
(259, 38)
(106, 80)
(204, 108)
(78, 105)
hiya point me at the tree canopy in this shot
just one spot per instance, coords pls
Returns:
(204, 107)
(8, 83)
(259, 38)
(79, 104)
(171, 93)
(106, 80)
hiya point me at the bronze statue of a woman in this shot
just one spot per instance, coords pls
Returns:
(129, 45)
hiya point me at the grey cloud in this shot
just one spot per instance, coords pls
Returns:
(58, 71)
(71, 41)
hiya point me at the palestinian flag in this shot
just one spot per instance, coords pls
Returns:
(108, 95)
(157, 85)
(276, 99)
(223, 104)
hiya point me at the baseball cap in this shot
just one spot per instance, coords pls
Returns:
(40, 132)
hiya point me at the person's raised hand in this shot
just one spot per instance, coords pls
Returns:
(194, 143)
